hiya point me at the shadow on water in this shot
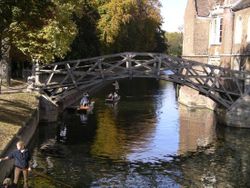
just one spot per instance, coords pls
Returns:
(146, 140)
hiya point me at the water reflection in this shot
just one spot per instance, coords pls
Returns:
(148, 140)
(197, 129)
(109, 139)
(83, 118)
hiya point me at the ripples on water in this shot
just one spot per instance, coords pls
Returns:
(146, 140)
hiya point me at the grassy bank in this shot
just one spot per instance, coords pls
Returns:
(15, 110)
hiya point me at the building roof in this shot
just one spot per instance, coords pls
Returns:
(203, 7)
(242, 5)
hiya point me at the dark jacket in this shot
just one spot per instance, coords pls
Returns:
(21, 158)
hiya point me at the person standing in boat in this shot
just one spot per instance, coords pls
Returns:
(116, 85)
(85, 100)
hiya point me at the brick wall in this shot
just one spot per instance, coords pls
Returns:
(188, 33)
(196, 47)
(201, 36)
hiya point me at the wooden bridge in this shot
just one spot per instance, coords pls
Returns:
(59, 80)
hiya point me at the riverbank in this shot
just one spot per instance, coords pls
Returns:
(19, 118)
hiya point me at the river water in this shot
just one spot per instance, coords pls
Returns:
(146, 140)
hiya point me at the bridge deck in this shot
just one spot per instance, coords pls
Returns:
(61, 79)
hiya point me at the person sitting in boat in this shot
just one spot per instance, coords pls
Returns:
(85, 100)
(115, 95)
(111, 96)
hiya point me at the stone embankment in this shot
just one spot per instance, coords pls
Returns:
(19, 114)
(239, 114)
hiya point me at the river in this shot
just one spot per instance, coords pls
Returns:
(146, 140)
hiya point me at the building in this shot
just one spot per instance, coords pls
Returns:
(216, 32)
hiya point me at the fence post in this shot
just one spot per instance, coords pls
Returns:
(37, 68)
(33, 80)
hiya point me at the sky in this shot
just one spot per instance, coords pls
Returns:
(172, 12)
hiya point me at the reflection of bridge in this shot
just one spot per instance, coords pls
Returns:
(60, 80)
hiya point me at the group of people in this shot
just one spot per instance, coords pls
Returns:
(114, 95)
(85, 101)
(22, 165)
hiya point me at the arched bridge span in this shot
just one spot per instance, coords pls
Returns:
(59, 80)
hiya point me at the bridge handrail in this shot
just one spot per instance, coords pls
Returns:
(203, 77)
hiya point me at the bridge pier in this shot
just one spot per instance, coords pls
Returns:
(191, 98)
(239, 114)
(49, 111)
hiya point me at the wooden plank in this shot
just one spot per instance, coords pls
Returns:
(71, 75)
(51, 75)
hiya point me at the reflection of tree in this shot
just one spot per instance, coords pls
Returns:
(109, 140)
(120, 134)
(83, 117)
(197, 128)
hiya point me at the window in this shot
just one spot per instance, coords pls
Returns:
(216, 30)
(238, 30)
(248, 30)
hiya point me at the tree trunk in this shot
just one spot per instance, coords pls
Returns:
(5, 61)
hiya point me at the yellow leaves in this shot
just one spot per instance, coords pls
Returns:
(51, 40)
(118, 21)
(117, 14)
(113, 14)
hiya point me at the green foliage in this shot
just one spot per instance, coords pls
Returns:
(52, 39)
(51, 29)
(174, 43)
(42, 30)
(5, 15)
(129, 25)
(160, 41)
(86, 43)
(113, 14)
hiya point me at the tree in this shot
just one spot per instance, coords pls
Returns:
(174, 40)
(41, 30)
(15, 13)
(86, 43)
(129, 25)
(51, 40)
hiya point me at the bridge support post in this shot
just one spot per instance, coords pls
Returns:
(128, 66)
(33, 80)
(36, 73)
(158, 67)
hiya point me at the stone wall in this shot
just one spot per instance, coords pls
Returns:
(239, 114)
(48, 110)
(201, 36)
(25, 133)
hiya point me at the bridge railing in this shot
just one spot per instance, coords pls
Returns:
(222, 85)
